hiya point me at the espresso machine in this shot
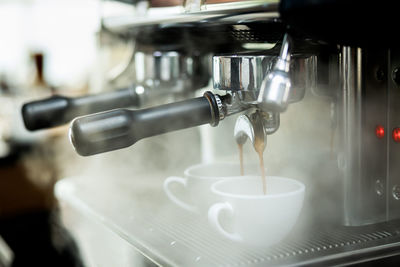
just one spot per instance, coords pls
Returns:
(331, 65)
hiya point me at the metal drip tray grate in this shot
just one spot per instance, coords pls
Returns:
(316, 246)
(172, 237)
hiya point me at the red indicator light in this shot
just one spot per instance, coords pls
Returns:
(380, 131)
(396, 135)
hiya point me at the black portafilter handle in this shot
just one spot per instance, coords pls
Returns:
(116, 129)
(58, 110)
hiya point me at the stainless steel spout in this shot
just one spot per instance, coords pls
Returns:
(275, 88)
(250, 127)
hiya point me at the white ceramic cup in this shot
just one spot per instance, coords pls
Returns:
(253, 218)
(197, 182)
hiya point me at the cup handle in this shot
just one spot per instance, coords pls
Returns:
(172, 197)
(213, 218)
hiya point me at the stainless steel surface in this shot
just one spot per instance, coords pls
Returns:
(351, 143)
(303, 75)
(363, 106)
(243, 130)
(271, 122)
(285, 54)
(242, 75)
(240, 72)
(275, 89)
(251, 127)
(396, 192)
(220, 106)
(158, 66)
(140, 214)
(169, 71)
(237, 102)
(244, 11)
(393, 121)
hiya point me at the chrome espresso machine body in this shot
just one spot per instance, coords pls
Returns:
(265, 58)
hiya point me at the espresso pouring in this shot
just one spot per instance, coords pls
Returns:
(258, 146)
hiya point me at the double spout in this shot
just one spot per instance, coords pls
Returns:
(255, 127)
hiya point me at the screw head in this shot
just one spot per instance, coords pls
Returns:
(379, 187)
(396, 192)
(396, 75)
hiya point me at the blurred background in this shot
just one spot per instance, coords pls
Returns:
(46, 47)
(58, 47)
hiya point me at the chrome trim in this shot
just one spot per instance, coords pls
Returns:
(237, 13)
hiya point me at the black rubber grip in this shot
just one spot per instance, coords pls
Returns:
(121, 128)
(58, 110)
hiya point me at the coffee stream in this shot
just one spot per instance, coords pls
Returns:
(259, 147)
(241, 159)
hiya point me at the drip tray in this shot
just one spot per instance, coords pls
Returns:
(142, 215)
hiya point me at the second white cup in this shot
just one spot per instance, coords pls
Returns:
(197, 182)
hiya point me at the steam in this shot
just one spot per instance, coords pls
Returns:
(124, 184)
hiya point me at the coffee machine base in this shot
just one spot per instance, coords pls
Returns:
(168, 236)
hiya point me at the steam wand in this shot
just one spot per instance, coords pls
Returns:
(275, 90)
